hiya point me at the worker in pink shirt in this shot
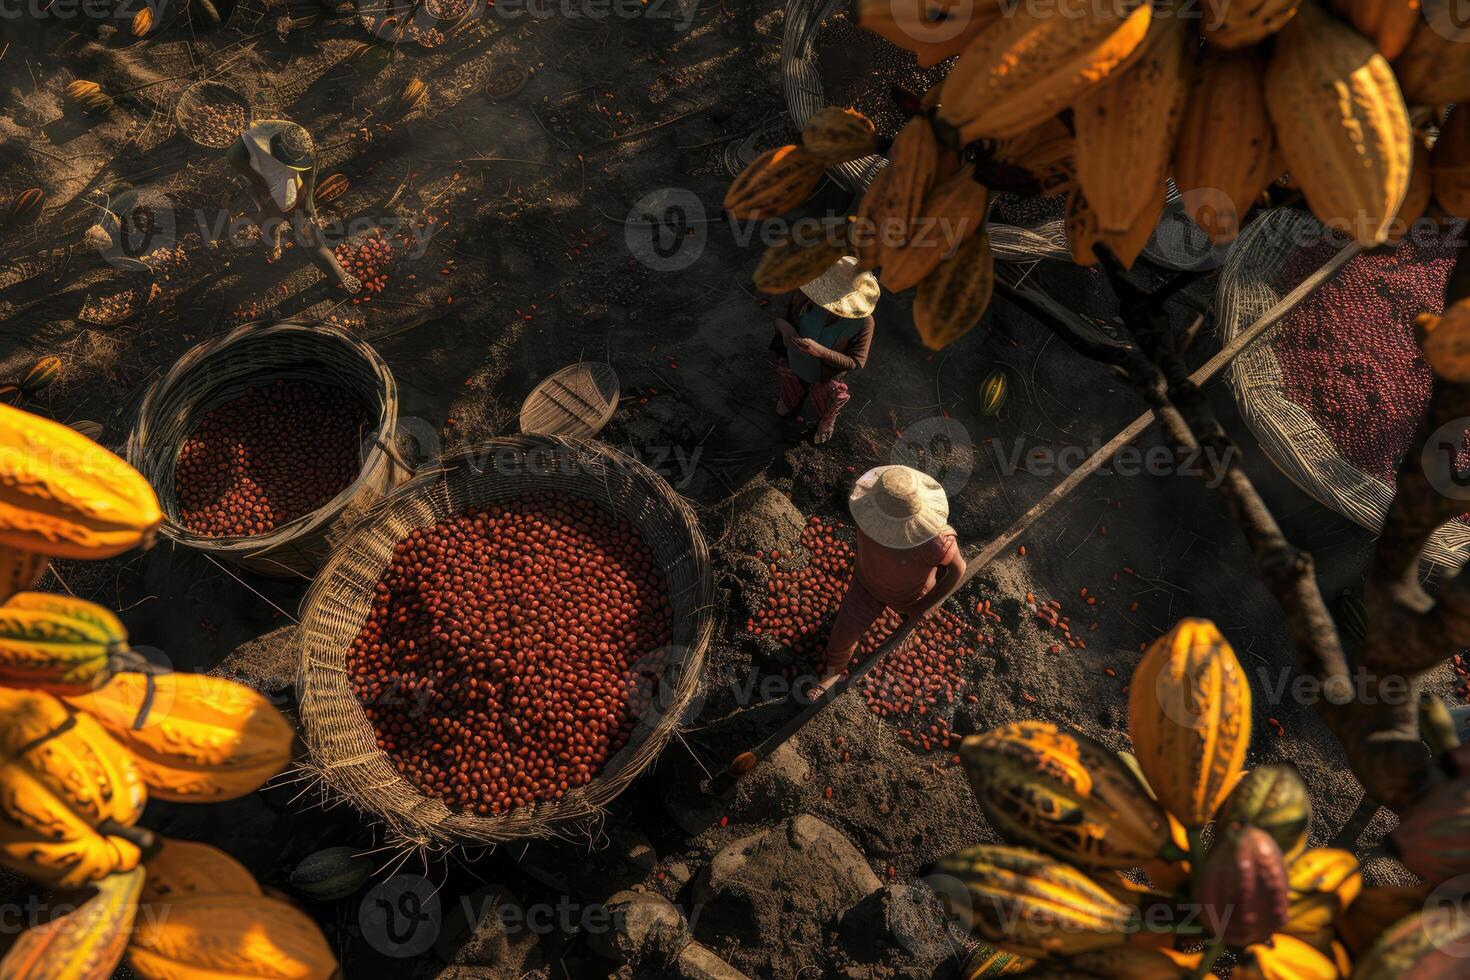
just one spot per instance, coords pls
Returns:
(907, 559)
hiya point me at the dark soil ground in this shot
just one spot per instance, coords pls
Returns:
(537, 256)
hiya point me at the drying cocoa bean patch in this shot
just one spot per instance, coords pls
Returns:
(915, 685)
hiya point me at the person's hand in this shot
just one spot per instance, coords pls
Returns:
(806, 345)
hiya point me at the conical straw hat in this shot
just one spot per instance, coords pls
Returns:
(844, 290)
(898, 506)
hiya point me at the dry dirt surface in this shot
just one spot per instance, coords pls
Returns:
(519, 245)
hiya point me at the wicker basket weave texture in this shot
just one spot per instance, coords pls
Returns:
(343, 745)
(1289, 435)
(200, 94)
(225, 367)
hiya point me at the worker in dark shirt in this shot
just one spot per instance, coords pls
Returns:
(827, 331)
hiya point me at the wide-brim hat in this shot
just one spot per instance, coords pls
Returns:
(291, 144)
(898, 506)
(844, 290)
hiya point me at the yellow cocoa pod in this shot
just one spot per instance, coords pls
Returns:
(951, 213)
(1189, 715)
(69, 794)
(1434, 69)
(87, 97)
(838, 135)
(1082, 227)
(987, 961)
(87, 943)
(1126, 126)
(1230, 25)
(185, 868)
(1065, 794)
(1225, 154)
(1048, 152)
(1342, 124)
(142, 22)
(911, 167)
(774, 183)
(1128, 243)
(1389, 24)
(57, 643)
(1026, 903)
(196, 738)
(1322, 883)
(1446, 341)
(1449, 165)
(1033, 63)
(1285, 958)
(932, 29)
(797, 259)
(19, 570)
(866, 231)
(1134, 963)
(64, 496)
(235, 936)
(1417, 197)
(953, 297)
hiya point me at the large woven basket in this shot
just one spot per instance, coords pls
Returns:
(343, 745)
(1288, 433)
(225, 367)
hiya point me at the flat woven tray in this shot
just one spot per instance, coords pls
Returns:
(576, 401)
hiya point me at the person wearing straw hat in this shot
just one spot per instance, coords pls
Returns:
(908, 559)
(827, 331)
(278, 160)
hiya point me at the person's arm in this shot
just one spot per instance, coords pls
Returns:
(852, 356)
(945, 583)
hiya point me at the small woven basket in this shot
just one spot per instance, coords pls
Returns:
(343, 745)
(226, 367)
(190, 113)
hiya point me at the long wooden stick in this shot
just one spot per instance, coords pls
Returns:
(724, 780)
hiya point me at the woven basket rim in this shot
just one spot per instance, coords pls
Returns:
(1265, 409)
(213, 347)
(194, 95)
(429, 822)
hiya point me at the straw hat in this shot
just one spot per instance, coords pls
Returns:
(898, 506)
(844, 290)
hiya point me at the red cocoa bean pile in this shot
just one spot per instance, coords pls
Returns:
(1348, 353)
(506, 657)
(914, 685)
(273, 454)
(368, 260)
